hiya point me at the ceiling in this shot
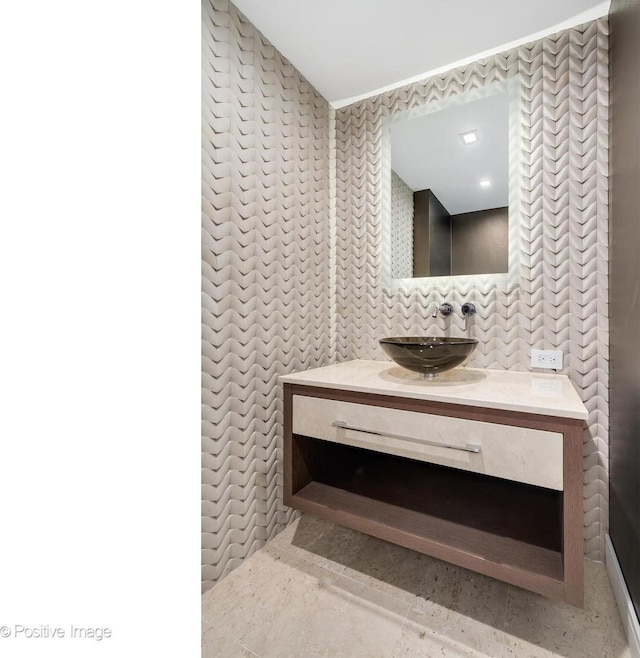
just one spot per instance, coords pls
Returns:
(351, 49)
(453, 170)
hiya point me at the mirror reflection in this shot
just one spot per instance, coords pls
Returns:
(450, 190)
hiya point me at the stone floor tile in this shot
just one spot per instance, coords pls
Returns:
(217, 645)
(329, 545)
(538, 626)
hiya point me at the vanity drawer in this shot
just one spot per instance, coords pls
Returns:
(514, 453)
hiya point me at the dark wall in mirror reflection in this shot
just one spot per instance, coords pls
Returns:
(433, 242)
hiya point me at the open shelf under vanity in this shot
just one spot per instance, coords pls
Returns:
(517, 526)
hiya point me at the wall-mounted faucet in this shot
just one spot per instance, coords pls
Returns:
(445, 310)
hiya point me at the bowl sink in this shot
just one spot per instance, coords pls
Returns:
(428, 355)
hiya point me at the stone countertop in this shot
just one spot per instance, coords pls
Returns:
(545, 394)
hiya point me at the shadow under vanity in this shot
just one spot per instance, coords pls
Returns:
(480, 468)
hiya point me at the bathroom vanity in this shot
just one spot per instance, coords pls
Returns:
(481, 468)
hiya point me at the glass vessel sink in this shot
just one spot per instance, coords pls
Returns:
(428, 355)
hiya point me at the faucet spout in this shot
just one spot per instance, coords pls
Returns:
(445, 310)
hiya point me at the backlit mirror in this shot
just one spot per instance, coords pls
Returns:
(451, 187)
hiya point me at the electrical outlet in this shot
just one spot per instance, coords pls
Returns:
(546, 359)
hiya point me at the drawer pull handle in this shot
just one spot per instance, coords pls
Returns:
(470, 447)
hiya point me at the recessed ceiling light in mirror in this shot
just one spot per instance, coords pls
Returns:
(485, 183)
(469, 137)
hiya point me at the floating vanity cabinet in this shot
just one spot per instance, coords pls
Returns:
(480, 468)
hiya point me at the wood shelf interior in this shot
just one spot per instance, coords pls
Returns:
(508, 523)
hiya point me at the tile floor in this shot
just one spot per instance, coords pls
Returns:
(319, 589)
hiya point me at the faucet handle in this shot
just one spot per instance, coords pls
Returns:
(468, 309)
(445, 309)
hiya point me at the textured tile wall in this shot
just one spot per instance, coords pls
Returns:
(562, 299)
(265, 261)
(401, 228)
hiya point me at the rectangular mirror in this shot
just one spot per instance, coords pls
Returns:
(451, 188)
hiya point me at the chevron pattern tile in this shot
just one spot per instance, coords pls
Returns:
(266, 285)
(401, 228)
(562, 300)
